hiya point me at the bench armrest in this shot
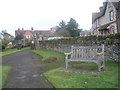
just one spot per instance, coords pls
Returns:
(67, 54)
(100, 53)
(100, 56)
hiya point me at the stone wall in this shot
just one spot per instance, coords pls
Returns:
(112, 45)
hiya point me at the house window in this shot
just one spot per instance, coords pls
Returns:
(111, 15)
(27, 36)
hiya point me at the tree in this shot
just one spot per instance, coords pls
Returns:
(18, 37)
(72, 27)
(3, 42)
(62, 33)
(61, 30)
(68, 30)
(3, 32)
(62, 25)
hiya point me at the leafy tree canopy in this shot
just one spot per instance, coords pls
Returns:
(62, 25)
(18, 37)
(71, 27)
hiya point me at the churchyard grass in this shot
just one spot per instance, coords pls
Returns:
(106, 79)
(48, 53)
(4, 70)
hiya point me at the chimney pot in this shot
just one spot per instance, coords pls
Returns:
(18, 28)
(31, 28)
(22, 28)
(100, 8)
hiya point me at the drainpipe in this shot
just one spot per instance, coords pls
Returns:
(118, 18)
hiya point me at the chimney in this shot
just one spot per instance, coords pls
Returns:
(18, 29)
(22, 28)
(32, 28)
(101, 8)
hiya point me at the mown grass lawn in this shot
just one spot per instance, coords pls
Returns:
(48, 53)
(106, 79)
(10, 51)
(4, 70)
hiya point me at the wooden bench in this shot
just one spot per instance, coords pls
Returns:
(86, 54)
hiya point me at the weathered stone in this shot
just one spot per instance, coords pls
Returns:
(112, 45)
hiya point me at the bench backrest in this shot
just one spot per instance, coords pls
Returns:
(86, 52)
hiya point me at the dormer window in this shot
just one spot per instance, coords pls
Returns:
(111, 15)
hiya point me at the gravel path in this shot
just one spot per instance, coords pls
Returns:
(26, 73)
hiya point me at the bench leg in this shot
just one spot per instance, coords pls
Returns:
(100, 66)
(66, 64)
(103, 65)
(99, 69)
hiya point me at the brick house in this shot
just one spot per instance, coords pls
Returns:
(107, 20)
(31, 34)
(28, 35)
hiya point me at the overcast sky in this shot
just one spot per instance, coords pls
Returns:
(44, 14)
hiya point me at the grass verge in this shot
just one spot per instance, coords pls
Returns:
(106, 79)
(11, 51)
(4, 70)
(48, 53)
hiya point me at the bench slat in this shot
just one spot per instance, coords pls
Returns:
(86, 54)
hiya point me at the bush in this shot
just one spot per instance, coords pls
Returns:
(4, 44)
(3, 47)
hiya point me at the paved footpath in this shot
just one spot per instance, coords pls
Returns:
(26, 73)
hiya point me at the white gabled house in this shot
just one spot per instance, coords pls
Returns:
(107, 20)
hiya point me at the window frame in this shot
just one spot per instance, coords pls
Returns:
(111, 15)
